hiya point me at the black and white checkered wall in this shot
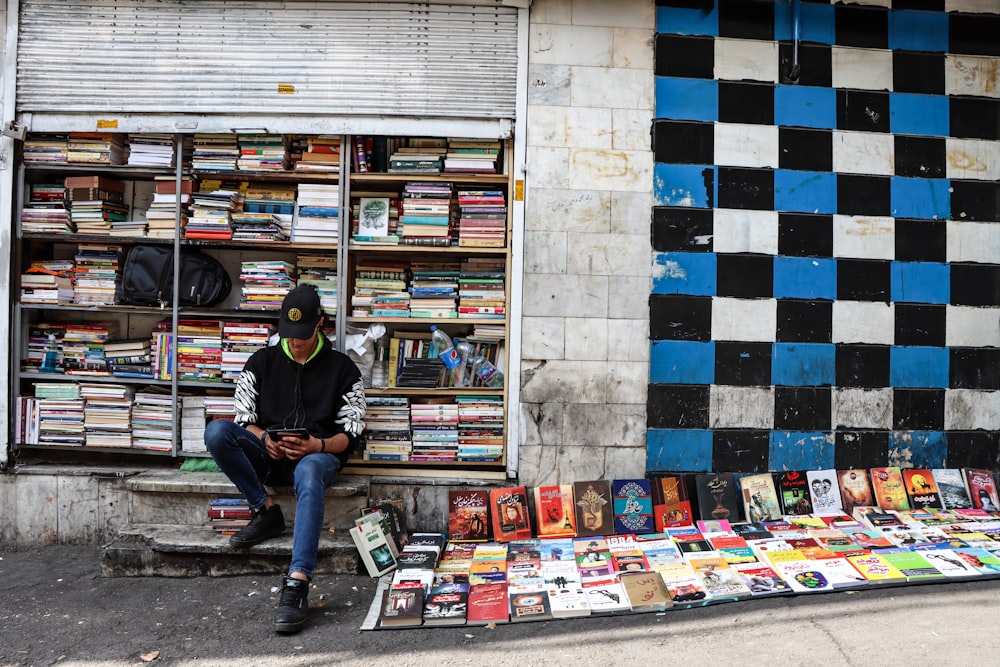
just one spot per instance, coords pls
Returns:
(827, 237)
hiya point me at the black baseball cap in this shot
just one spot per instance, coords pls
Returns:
(300, 312)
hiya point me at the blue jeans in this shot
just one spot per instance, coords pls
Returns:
(243, 457)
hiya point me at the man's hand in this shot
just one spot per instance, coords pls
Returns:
(274, 449)
(293, 448)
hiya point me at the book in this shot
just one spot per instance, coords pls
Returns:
(607, 597)
(509, 512)
(555, 514)
(718, 496)
(533, 606)
(646, 591)
(671, 503)
(375, 545)
(402, 607)
(951, 487)
(632, 505)
(824, 494)
(760, 499)
(447, 606)
(982, 489)
(468, 515)
(855, 490)
(921, 488)
(487, 604)
(888, 488)
(593, 508)
(793, 490)
(761, 579)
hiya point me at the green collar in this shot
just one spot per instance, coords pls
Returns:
(319, 346)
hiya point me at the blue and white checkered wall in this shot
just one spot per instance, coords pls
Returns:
(826, 245)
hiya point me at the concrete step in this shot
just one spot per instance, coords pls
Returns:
(181, 550)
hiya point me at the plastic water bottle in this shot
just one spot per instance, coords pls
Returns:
(462, 377)
(51, 357)
(488, 374)
(380, 370)
(445, 351)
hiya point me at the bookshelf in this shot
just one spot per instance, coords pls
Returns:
(337, 255)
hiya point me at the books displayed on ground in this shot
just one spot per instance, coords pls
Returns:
(375, 543)
(317, 214)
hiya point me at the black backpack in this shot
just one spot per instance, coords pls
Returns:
(148, 278)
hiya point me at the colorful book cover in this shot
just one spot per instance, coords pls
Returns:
(876, 569)
(951, 487)
(760, 499)
(509, 508)
(671, 503)
(888, 488)
(718, 496)
(468, 515)
(855, 490)
(793, 489)
(921, 488)
(632, 503)
(555, 513)
(823, 492)
(982, 489)
(593, 508)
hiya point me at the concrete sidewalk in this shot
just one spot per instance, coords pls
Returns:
(55, 609)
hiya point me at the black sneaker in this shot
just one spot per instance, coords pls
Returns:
(292, 608)
(265, 524)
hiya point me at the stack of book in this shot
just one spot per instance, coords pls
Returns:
(220, 407)
(239, 341)
(210, 215)
(215, 152)
(60, 414)
(320, 271)
(193, 424)
(480, 428)
(321, 154)
(130, 357)
(107, 414)
(96, 273)
(104, 148)
(199, 350)
(434, 289)
(45, 148)
(150, 150)
(262, 152)
(380, 290)
(388, 427)
(152, 420)
(95, 202)
(476, 156)
(44, 339)
(48, 281)
(481, 289)
(426, 214)
(265, 284)
(46, 212)
(317, 215)
(161, 349)
(227, 515)
(434, 431)
(162, 213)
(482, 221)
(259, 217)
(420, 156)
(83, 347)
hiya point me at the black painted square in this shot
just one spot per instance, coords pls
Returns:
(802, 408)
(918, 72)
(683, 56)
(863, 280)
(815, 64)
(974, 368)
(921, 240)
(863, 366)
(805, 235)
(677, 406)
(918, 409)
(683, 142)
(977, 34)
(804, 321)
(920, 324)
(973, 449)
(682, 228)
(975, 284)
(809, 150)
(745, 276)
(746, 19)
(974, 118)
(975, 200)
(746, 188)
(751, 103)
(864, 195)
(861, 449)
(674, 317)
(922, 157)
(862, 110)
(862, 26)
(743, 363)
(742, 450)
(924, 5)
(704, 5)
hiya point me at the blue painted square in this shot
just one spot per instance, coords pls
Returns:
(684, 185)
(801, 450)
(805, 278)
(927, 198)
(816, 23)
(684, 273)
(678, 450)
(918, 449)
(921, 282)
(805, 106)
(805, 191)
(687, 21)
(681, 362)
(804, 364)
(914, 30)
(918, 366)
(928, 115)
(678, 98)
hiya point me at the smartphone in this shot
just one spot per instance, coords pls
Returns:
(278, 433)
